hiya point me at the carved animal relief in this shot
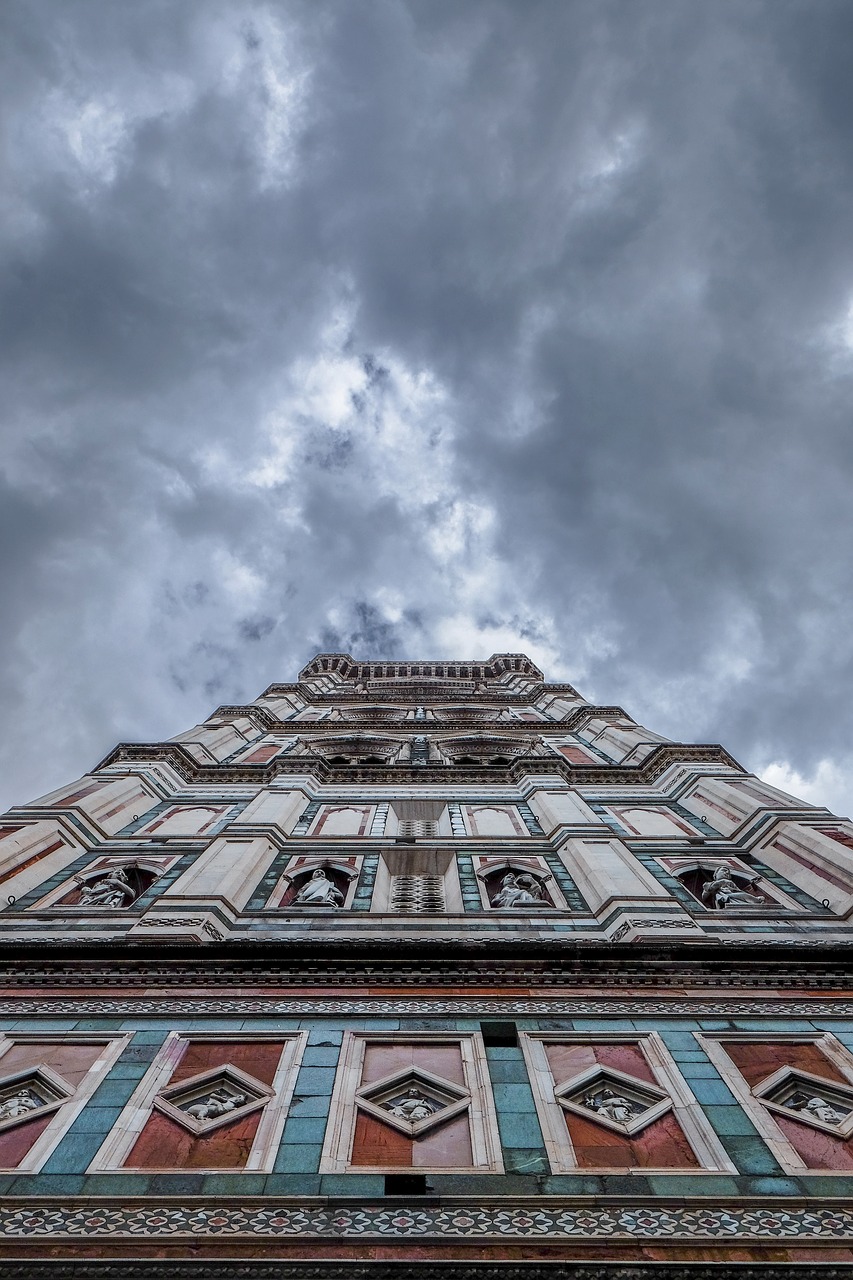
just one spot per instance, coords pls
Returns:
(213, 1098)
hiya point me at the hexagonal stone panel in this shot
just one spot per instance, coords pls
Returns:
(34, 1092)
(823, 1104)
(212, 1098)
(613, 1099)
(413, 1100)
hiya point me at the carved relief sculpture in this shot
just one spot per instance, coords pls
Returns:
(725, 893)
(111, 890)
(18, 1104)
(613, 1106)
(519, 890)
(319, 892)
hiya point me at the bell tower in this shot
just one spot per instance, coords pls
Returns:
(424, 969)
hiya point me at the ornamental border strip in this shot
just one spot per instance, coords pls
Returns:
(626, 1223)
(116, 969)
(211, 1268)
(212, 1006)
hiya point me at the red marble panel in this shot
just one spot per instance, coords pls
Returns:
(377, 1144)
(257, 1058)
(383, 1059)
(819, 1150)
(843, 837)
(448, 1146)
(262, 754)
(163, 1144)
(78, 795)
(567, 1060)
(71, 1061)
(16, 1143)
(37, 857)
(757, 1061)
(662, 1145)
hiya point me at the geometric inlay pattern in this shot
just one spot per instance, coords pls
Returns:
(613, 1099)
(413, 1100)
(35, 1091)
(212, 1098)
(174, 1219)
(823, 1104)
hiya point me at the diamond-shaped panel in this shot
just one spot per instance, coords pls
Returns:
(823, 1104)
(212, 1098)
(613, 1099)
(34, 1092)
(413, 1100)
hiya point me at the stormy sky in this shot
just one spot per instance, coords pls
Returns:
(427, 328)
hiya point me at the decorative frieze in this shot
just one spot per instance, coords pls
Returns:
(458, 1218)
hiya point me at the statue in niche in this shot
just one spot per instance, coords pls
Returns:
(519, 891)
(219, 1103)
(110, 890)
(612, 1106)
(414, 1106)
(18, 1104)
(724, 891)
(817, 1107)
(319, 892)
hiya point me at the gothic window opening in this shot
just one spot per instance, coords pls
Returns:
(417, 880)
(419, 819)
(417, 828)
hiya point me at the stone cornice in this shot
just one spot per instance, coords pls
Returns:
(448, 964)
(209, 1268)
(407, 775)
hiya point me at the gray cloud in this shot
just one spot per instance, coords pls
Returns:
(426, 329)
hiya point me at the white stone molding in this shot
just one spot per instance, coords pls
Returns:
(35, 852)
(279, 810)
(118, 1145)
(226, 874)
(108, 802)
(815, 862)
(608, 875)
(670, 1085)
(476, 1098)
(67, 1111)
